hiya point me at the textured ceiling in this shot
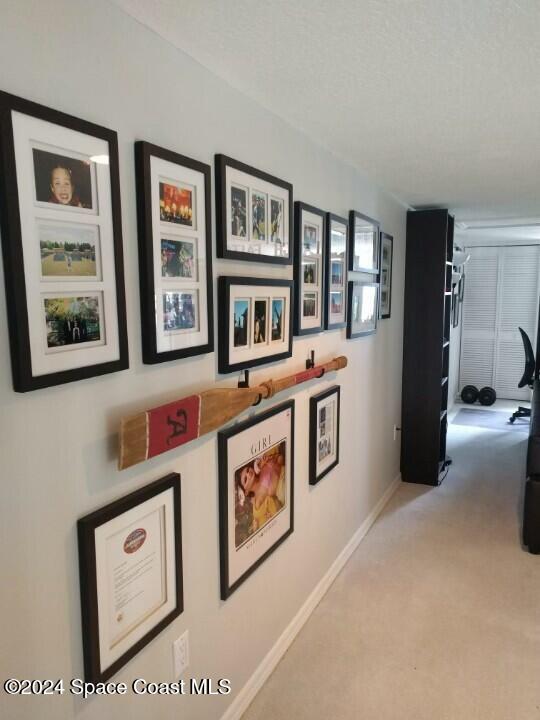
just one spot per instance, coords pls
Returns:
(439, 102)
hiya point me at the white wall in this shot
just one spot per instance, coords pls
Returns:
(58, 446)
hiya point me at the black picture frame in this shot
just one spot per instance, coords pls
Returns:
(301, 326)
(351, 332)
(314, 401)
(226, 363)
(224, 438)
(144, 151)
(86, 528)
(222, 163)
(328, 323)
(354, 217)
(24, 379)
(386, 238)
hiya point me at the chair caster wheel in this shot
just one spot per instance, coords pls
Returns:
(512, 420)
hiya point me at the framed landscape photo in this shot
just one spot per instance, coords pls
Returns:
(130, 564)
(175, 254)
(362, 308)
(256, 492)
(62, 245)
(309, 269)
(387, 247)
(336, 272)
(255, 322)
(363, 243)
(323, 433)
(253, 214)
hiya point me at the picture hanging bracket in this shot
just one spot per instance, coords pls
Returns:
(245, 384)
(310, 362)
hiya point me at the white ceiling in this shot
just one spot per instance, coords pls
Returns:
(438, 101)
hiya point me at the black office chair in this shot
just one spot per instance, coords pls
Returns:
(528, 375)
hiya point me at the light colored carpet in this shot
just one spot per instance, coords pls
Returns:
(436, 615)
(490, 420)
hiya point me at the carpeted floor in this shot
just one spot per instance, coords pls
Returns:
(436, 615)
(490, 420)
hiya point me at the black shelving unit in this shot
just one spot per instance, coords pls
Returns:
(426, 345)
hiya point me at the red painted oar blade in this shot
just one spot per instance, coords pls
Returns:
(172, 425)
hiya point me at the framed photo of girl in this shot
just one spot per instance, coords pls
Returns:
(309, 268)
(253, 214)
(256, 492)
(387, 248)
(130, 565)
(62, 245)
(175, 254)
(336, 258)
(323, 433)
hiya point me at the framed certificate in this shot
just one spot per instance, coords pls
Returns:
(130, 563)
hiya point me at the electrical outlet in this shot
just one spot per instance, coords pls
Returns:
(181, 654)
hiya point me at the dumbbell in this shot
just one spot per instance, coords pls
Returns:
(469, 394)
(487, 396)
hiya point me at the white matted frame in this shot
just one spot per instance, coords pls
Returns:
(309, 268)
(253, 214)
(324, 414)
(387, 250)
(336, 260)
(175, 254)
(62, 246)
(255, 321)
(362, 308)
(130, 562)
(256, 492)
(363, 243)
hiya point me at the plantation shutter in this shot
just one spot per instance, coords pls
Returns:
(501, 295)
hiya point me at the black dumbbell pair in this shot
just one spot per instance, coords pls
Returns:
(486, 396)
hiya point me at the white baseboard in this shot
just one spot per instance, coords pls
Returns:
(268, 664)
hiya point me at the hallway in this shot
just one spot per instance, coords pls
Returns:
(436, 615)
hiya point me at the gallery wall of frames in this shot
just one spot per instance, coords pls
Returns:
(63, 253)
(135, 188)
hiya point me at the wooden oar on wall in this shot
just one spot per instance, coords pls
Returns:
(164, 428)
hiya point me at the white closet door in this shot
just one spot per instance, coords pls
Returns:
(501, 294)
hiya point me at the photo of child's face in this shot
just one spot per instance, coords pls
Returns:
(61, 185)
(246, 478)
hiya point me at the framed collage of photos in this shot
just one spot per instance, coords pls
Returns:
(362, 308)
(387, 247)
(323, 433)
(255, 316)
(256, 492)
(130, 564)
(363, 243)
(336, 272)
(309, 227)
(62, 246)
(175, 254)
(253, 214)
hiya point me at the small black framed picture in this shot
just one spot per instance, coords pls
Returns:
(255, 322)
(387, 249)
(323, 433)
(62, 246)
(309, 268)
(336, 258)
(130, 565)
(175, 254)
(253, 214)
(256, 492)
(362, 308)
(363, 243)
